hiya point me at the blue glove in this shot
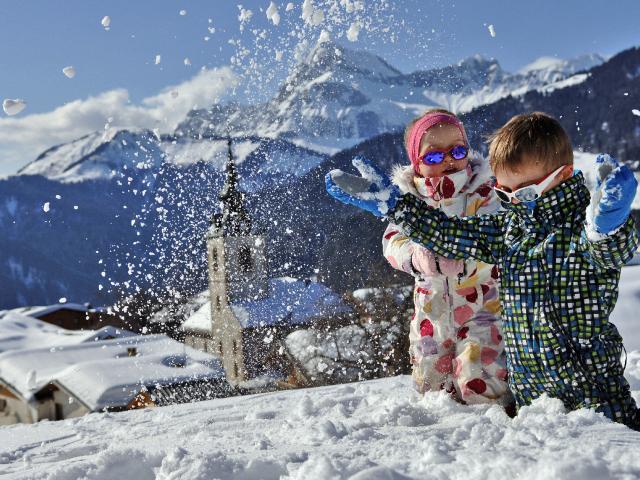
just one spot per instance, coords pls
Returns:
(372, 191)
(615, 190)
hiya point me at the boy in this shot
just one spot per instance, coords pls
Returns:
(559, 272)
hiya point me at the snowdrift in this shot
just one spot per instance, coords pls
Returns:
(370, 430)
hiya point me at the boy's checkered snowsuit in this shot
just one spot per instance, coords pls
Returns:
(557, 290)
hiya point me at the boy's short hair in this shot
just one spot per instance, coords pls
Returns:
(534, 135)
(407, 129)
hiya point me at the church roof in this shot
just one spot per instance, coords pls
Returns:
(290, 301)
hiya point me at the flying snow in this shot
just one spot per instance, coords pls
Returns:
(62, 300)
(106, 22)
(272, 14)
(244, 16)
(187, 61)
(636, 112)
(492, 30)
(158, 59)
(46, 207)
(324, 37)
(183, 12)
(278, 55)
(13, 106)
(311, 15)
(353, 32)
(289, 7)
(69, 71)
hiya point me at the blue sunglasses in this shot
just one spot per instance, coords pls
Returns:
(434, 157)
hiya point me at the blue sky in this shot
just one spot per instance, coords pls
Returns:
(40, 37)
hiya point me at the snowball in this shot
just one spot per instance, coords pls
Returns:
(187, 61)
(183, 12)
(69, 71)
(13, 106)
(289, 7)
(324, 37)
(636, 112)
(244, 16)
(158, 59)
(311, 15)
(46, 206)
(62, 300)
(106, 22)
(272, 14)
(492, 30)
(352, 33)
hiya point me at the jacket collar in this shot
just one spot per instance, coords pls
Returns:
(466, 181)
(446, 186)
(564, 203)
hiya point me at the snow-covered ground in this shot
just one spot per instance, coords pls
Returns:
(371, 430)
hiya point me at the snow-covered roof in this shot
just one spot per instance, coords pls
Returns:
(102, 374)
(40, 311)
(399, 292)
(290, 300)
(19, 331)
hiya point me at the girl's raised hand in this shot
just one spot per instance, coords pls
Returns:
(371, 191)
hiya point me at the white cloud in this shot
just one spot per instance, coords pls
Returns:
(23, 138)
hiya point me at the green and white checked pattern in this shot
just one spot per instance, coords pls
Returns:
(558, 289)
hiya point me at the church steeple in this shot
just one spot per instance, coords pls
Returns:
(234, 220)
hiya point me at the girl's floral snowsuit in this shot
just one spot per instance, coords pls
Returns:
(455, 338)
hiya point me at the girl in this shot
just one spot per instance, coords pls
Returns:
(455, 339)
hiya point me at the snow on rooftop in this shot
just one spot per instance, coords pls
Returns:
(20, 331)
(293, 301)
(39, 311)
(101, 373)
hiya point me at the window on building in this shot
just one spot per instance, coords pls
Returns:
(218, 302)
(235, 369)
(235, 347)
(245, 259)
(214, 259)
(220, 348)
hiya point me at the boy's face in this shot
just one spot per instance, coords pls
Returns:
(441, 137)
(531, 171)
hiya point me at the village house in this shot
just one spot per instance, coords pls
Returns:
(249, 314)
(73, 316)
(73, 379)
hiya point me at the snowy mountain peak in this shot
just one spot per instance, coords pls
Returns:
(97, 155)
(479, 62)
(328, 56)
(567, 67)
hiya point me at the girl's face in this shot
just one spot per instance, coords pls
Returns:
(442, 136)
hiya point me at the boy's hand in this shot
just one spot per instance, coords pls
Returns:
(371, 191)
(615, 190)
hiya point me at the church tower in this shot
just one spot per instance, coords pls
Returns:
(237, 271)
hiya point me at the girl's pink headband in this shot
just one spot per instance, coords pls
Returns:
(421, 126)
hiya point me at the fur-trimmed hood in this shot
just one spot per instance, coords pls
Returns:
(403, 175)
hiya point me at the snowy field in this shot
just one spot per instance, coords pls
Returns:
(371, 430)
